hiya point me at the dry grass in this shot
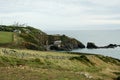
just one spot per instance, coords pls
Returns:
(41, 65)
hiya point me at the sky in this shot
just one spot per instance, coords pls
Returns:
(62, 14)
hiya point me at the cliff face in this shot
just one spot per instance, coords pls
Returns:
(32, 38)
(63, 42)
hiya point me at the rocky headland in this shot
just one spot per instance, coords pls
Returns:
(35, 39)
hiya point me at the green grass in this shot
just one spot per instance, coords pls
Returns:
(6, 37)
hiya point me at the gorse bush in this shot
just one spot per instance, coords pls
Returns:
(109, 59)
(83, 59)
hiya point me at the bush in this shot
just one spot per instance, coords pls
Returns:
(83, 59)
(118, 78)
(32, 46)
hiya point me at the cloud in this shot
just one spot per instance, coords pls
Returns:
(61, 13)
(108, 3)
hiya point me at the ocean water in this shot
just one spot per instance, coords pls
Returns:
(99, 37)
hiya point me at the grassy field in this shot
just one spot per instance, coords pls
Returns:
(6, 37)
(40, 65)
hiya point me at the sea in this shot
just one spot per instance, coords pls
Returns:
(99, 37)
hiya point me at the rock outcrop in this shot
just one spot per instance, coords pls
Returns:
(91, 45)
(64, 43)
(110, 46)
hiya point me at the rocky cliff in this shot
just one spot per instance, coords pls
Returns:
(63, 42)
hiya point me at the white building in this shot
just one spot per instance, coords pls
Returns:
(57, 43)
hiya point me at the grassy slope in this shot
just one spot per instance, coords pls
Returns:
(6, 37)
(38, 65)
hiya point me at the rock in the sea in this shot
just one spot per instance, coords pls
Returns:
(91, 45)
(111, 46)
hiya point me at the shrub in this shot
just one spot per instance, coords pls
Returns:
(83, 59)
(118, 78)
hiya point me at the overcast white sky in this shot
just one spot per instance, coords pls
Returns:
(62, 14)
